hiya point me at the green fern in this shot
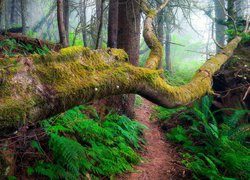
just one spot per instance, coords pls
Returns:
(215, 146)
(81, 145)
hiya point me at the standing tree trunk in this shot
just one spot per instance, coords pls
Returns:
(160, 27)
(14, 12)
(113, 23)
(66, 18)
(99, 20)
(167, 52)
(2, 15)
(129, 40)
(24, 9)
(83, 21)
(61, 25)
(220, 29)
(7, 6)
(129, 29)
(231, 11)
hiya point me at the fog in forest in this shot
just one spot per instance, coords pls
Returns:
(125, 89)
(190, 29)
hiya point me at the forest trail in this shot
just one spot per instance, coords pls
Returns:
(161, 161)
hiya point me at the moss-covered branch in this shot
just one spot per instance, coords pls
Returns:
(155, 57)
(36, 87)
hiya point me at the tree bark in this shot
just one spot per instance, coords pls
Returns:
(32, 91)
(160, 27)
(2, 15)
(99, 21)
(129, 40)
(66, 18)
(24, 9)
(220, 29)
(113, 23)
(83, 21)
(167, 52)
(14, 19)
(129, 29)
(37, 87)
(6, 14)
(61, 24)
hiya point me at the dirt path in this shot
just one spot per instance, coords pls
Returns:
(161, 159)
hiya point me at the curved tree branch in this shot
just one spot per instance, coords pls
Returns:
(155, 57)
(37, 87)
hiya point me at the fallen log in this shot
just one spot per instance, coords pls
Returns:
(36, 43)
(36, 87)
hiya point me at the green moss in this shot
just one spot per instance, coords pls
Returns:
(14, 111)
(65, 54)
(156, 53)
(119, 53)
(152, 13)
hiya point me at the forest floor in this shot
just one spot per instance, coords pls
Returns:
(160, 158)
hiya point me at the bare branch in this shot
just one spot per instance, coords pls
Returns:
(162, 6)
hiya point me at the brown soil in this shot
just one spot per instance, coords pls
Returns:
(161, 160)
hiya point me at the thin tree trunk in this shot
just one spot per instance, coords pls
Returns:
(220, 29)
(24, 9)
(7, 14)
(61, 25)
(44, 19)
(66, 18)
(167, 52)
(99, 9)
(83, 22)
(2, 15)
(160, 27)
(113, 23)
(14, 14)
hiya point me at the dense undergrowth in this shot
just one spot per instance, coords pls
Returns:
(10, 47)
(82, 145)
(215, 143)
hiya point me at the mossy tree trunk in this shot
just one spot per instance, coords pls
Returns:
(37, 87)
(128, 38)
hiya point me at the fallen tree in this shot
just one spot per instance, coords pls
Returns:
(36, 43)
(36, 87)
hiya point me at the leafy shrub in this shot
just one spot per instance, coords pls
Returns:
(83, 146)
